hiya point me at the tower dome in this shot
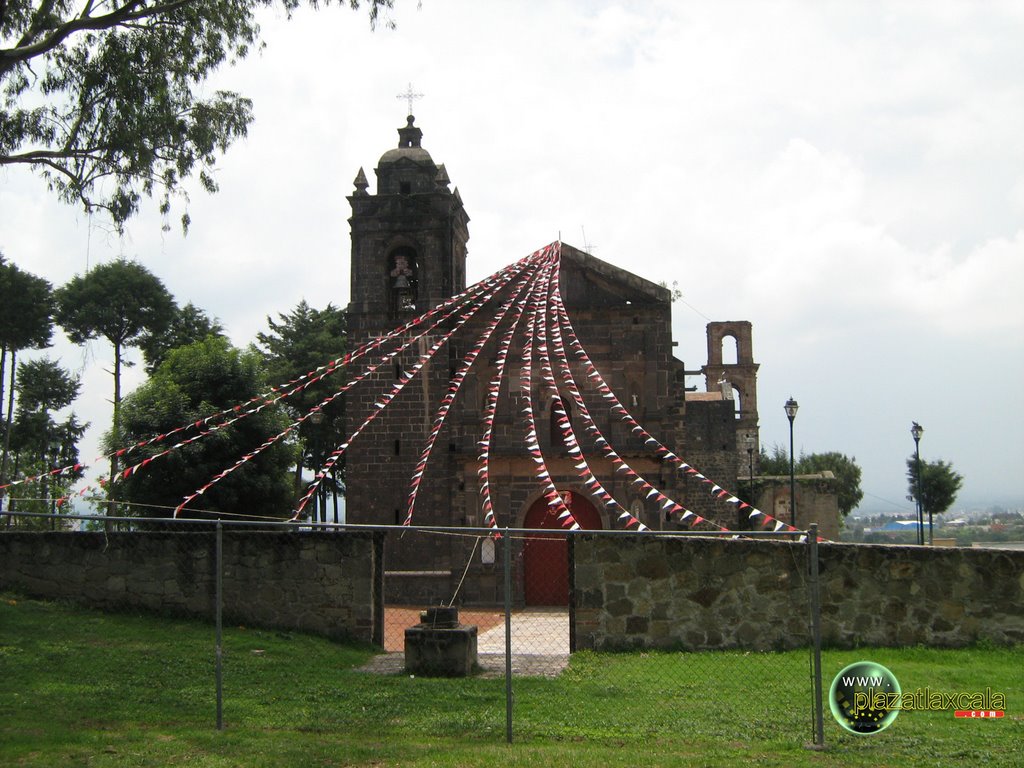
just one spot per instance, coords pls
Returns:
(408, 168)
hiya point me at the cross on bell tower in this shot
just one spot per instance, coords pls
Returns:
(410, 97)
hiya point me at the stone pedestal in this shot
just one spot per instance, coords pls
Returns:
(439, 646)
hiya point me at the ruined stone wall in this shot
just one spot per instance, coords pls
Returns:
(817, 501)
(709, 444)
(327, 584)
(644, 591)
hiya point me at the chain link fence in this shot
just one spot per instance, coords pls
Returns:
(630, 630)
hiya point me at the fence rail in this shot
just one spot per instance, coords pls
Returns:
(531, 605)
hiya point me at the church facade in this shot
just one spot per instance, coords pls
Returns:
(409, 254)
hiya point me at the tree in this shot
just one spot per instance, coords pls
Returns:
(26, 322)
(939, 485)
(297, 343)
(39, 443)
(44, 386)
(119, 301)
(845, 469)
(774, 463)
(847, 476)
(188, 325)
(194, 382)
(105, 99)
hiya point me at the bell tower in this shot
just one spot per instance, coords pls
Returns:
(408, 240)
(408, 255)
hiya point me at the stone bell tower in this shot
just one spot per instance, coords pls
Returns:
(408, 255)
(408, 239)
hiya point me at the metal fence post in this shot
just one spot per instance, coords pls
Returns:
(815, 605)
(218, 599)
(508, 636)
(571, 536)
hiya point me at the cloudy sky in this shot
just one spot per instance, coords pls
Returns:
(848, 176)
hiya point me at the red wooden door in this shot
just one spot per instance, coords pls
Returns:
(546, 556)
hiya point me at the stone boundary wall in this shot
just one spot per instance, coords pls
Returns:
(701, 593)
(324, 583)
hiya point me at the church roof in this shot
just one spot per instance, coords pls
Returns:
(617, 284)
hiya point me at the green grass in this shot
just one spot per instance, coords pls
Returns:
(83, 688)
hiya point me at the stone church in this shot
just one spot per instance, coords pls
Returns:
(409, 252)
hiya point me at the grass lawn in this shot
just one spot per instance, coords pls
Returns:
(83, 688)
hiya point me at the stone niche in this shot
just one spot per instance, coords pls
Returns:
(439, 646)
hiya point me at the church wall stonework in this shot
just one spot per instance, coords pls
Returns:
(696, 593)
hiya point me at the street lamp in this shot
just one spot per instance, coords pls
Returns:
(316, 418)
(916, 431)
(791, 408)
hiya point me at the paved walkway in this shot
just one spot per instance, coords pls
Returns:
(537, 631)
(540, 641)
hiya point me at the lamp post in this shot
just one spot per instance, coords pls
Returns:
(916, 431)
(791, 408)
(317, 418)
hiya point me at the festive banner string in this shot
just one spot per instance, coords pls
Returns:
(386, 399)
(454, 385)
(649, 491)
(593, 486)
(491, 405)
(617, 408)
(625, 518)
(485, 290)
(554, 499)
(275, 394)
(535, 296)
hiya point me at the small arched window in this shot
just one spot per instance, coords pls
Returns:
(730, 351)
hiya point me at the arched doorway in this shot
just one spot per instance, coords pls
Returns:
(546, 557)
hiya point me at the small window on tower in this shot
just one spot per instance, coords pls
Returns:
(405, 188)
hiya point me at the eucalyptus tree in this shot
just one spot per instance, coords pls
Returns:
(119, 301)
(109, 101)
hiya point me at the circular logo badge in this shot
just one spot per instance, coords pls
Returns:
(865, 698)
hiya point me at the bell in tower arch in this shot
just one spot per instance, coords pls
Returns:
(402, 274)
